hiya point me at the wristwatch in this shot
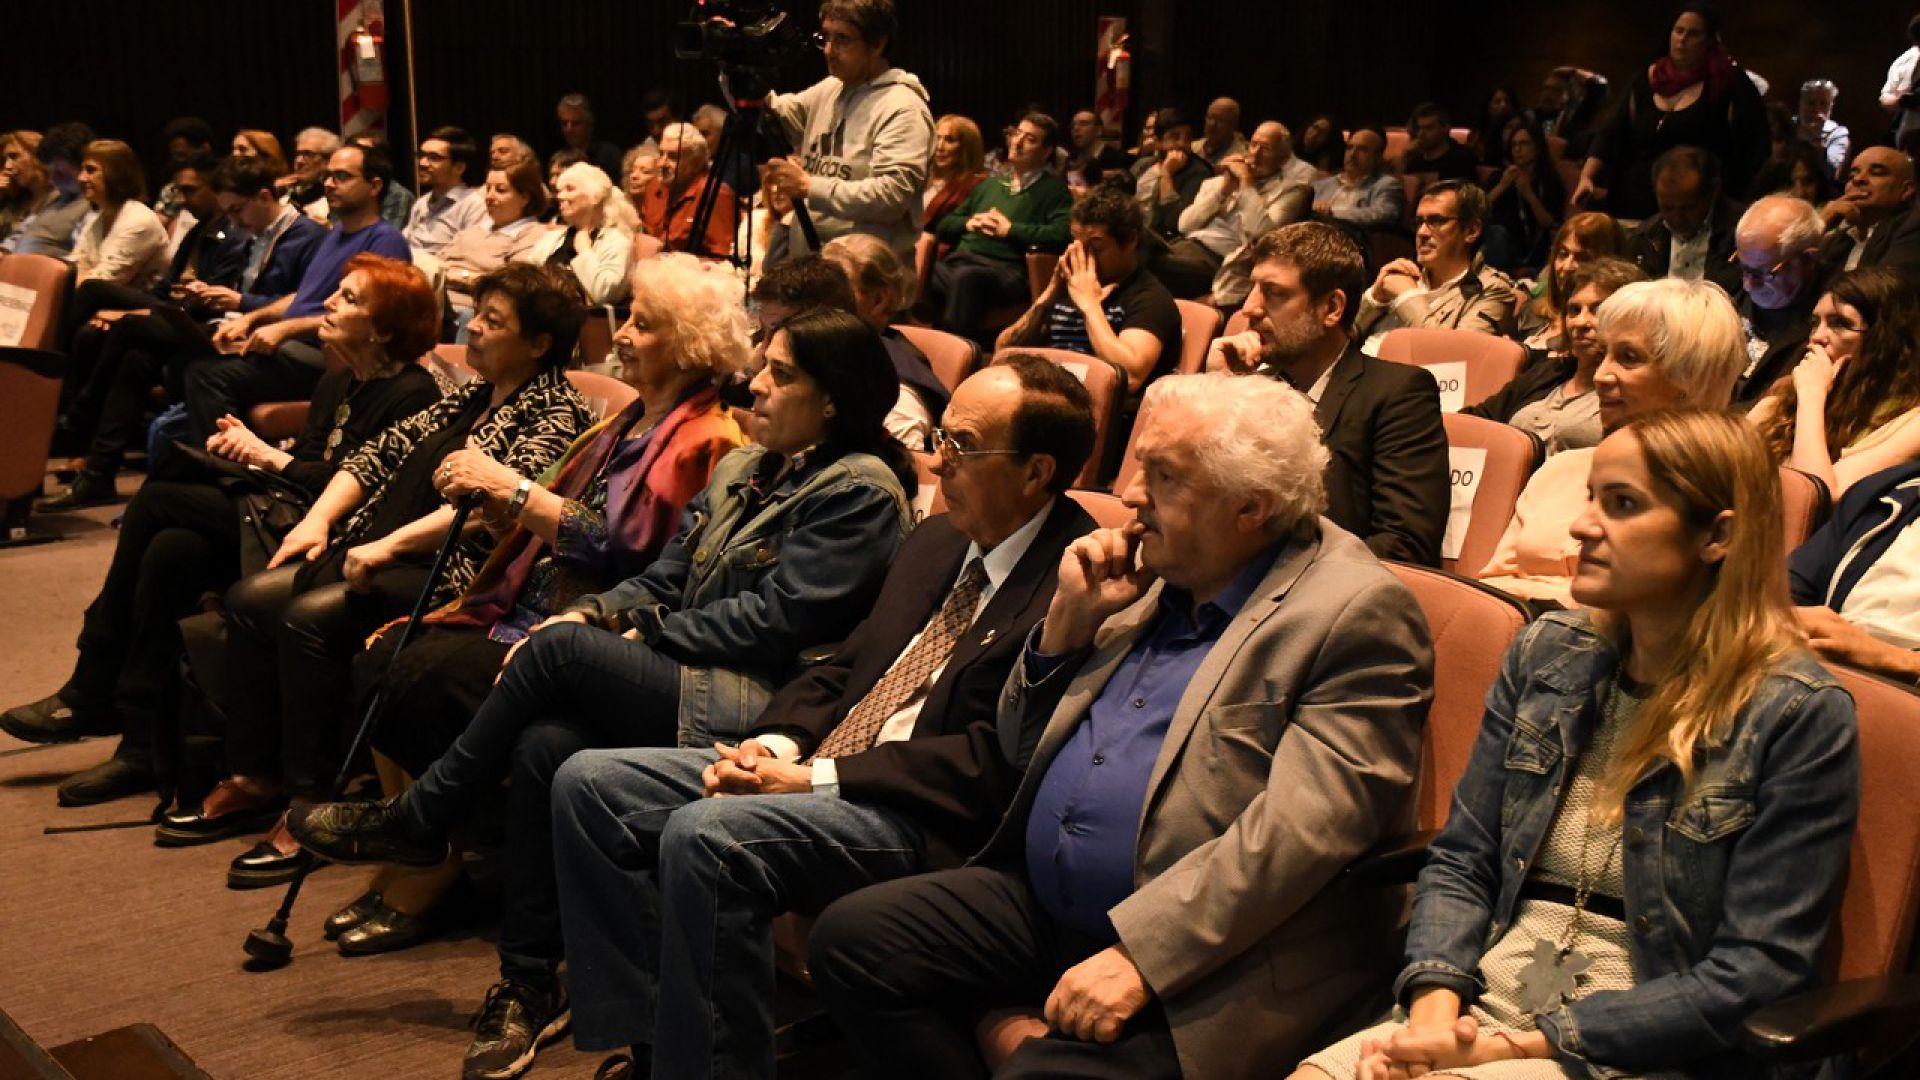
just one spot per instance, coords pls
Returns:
(519, 500)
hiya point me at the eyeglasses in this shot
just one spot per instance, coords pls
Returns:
(951, 452)
(1748, 273)
(428, 155)
(1434, 221)
(342, 176)
(822, 41)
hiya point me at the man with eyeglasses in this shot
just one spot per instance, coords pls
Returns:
(304, 188)
(886, 759)
(863, 135)
(1777, 254)
(447, 203)
(1451, 286)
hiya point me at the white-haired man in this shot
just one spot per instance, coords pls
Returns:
(304, 188)
(1222, 709)
(667, 208)
(1777, 247)
(1253, 194)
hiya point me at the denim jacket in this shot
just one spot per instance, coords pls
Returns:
(1716, 928)
(748, 583)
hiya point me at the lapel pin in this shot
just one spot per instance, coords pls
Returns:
(988, 640)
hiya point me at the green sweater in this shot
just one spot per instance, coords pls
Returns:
(1038, 211)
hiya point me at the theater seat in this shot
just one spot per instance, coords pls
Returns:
(33, 293)
(1487, 362)
(1107, 511)
(951, 356)
(1107, 385)
(1490, 464)
(596, 336)
(1804, 503)
(607, 395)
(278, 421)
(1198, 325)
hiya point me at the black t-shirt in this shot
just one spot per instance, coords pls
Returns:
(1138, 302)
(1457, 163)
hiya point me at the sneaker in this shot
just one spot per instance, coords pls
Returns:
(514, 1023)
(351, 833)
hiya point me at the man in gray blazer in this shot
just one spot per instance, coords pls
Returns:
(1221, 710)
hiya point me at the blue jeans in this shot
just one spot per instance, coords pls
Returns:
(667, 900)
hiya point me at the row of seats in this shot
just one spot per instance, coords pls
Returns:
(30, 374)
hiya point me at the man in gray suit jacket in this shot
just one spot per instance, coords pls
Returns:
(1221, 710)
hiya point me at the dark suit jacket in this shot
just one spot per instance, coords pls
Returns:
(1896, 243)
(222, 251)
(285, 263)
(1651, 244)
(1388, 480)
(949, 775)
(1785, 333)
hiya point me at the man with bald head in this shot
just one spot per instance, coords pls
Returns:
(1220, 132)
(1777, 248)
(1255, 193)
(1872, 223)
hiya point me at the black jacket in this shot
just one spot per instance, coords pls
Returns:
(1651, 244)
(949, 775)
(1896, 243)
(1388, 482)
(1533, 382)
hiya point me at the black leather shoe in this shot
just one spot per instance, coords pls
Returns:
(88, 489)
(114, 778)
(390, 931)
(352, 915)
(514, 1023)
(264, 865)
(354, 833)
(53, 719)
(251, 814)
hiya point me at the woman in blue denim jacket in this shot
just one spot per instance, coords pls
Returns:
(1607, 897)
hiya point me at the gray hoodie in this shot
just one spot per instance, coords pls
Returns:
(867, 151)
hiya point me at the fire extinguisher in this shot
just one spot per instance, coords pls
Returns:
(1113, 80)
(366, 64)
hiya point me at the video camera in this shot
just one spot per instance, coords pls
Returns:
(749, 39)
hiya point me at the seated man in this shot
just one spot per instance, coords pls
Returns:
(448, 203)
(1433, 155)
(1091, 155)
(1220, 136)
(1814, 123)
(667, 208)
(1451, 286)
(305, 187)
(55, 208)
(1222, 711)
(1172, 182)
(1360, 195)
(1254, 194)
(1853, 578)
(271, 353)
(281, 241)
(1692, 235)
(994, 229)
(1872, 223)
(577, 125)
(1777, 252)
(887, 755)
(1388, 477)
(1101, 300)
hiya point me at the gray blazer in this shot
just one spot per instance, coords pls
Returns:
(1291, 753)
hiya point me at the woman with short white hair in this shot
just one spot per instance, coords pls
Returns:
(595, 238)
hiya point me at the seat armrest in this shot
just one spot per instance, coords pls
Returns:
(1395, 860)
(45, 363)
(1837, 1019)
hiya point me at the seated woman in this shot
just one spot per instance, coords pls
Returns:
(125, 244)
(1553, 398)
(360, 558)
(638, 168)
(184, 537)
(265, 145)
(881, 293)
(1528, 199)
(595, 239)
(1667, 342)
(1854, 391)
(1644, 772)
(1580, 239)
(597, 517)
(784, 550)
(515, 198)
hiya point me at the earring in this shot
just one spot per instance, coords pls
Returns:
(828, 412)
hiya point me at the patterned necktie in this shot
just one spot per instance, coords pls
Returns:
(863, 724)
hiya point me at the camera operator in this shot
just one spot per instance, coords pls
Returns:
(864, 133)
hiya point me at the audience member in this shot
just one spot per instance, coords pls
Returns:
(601, 515)
(1694, 95)
(265, 145)
(1853, 577)
(577, 130)
(1814, 122)
(1432, 155)
(17, 167)
(956, 168)
(667, 208)
(1220, 136)
(998, 163)
(1872, 223)
(594, 239)
(1848, 407)
(788, 289)
(1360, 195)
(1799, 170)
(558, 162)
(1145, 152)
(864, 134)
(270, 353)
(123, 242)
(304, 188)
(1526, 201)
(740, 174)
(1253, 194)
(1668, 342)
(993, 230)
(1387, 480)
(1091, 155)
(1580, 239)
(1497, 118)
(1777, 251)
(183, 137)
(447, 205)
(1571, 99)
(360, 557)
(1900, 95)
(1323, 145)
(53, 176)
(506, 150)
(396, 202)
(659, 108)
(1451, 286)
(1102, 300)
(888, 759)
(514, 199)
(281, 241)
(1554, 398)
(881, 287)
(1173, 180)
(1692, 235)
(638, 170)
(1154, 900)
(1686, 672)
(197, 532)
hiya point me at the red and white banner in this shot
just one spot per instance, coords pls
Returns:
(360, 49)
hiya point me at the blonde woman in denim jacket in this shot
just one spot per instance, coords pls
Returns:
(1605, 900)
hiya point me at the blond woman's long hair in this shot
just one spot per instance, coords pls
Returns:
(1709, 461)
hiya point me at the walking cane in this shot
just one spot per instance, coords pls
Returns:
(268, 947)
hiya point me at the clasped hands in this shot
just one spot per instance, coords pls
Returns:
(1416, 1051)
(1396, 279)
(751, 769)
(990, 222)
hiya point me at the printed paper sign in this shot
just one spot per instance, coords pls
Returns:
(1452, 378)
(1467, 464)
(16, 307)
(923, 497)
